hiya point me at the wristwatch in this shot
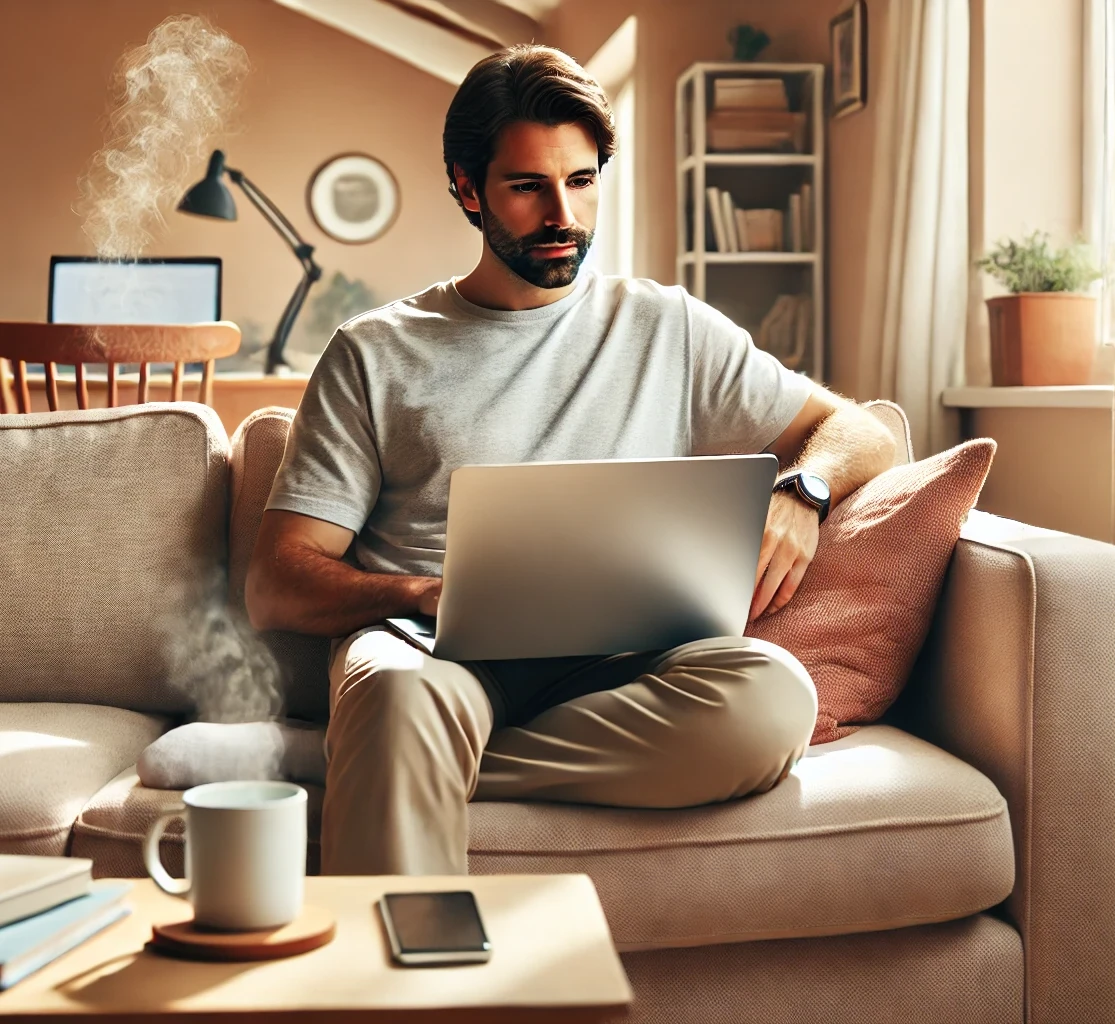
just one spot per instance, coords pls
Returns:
(812, 489)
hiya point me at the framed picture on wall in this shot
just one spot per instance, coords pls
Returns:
(848, 42)
(353, 198)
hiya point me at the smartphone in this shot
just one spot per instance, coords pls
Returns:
(434, 928)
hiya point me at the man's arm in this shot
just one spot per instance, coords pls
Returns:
(297, 581)
(843, 444)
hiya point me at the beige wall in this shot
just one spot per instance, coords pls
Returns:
(313, 93)
(671, 36)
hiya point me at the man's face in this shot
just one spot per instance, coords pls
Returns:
(539, 201)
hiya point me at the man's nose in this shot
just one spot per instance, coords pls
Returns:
(560, 214)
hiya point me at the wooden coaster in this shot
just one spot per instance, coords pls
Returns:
(314, 927)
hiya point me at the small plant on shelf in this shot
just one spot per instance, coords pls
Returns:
(1044, 332)
(1032, 265)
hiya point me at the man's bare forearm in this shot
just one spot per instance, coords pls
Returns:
(305, 591)
(847, 448)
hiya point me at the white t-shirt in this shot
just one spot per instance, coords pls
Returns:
(617, 369)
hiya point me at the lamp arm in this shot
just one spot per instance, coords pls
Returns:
(272, 213)
(311, 272)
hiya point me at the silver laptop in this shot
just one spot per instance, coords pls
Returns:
(548, 559)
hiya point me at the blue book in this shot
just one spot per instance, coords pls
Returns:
(27, 945)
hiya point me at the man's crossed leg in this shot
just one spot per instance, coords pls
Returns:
(411, 742)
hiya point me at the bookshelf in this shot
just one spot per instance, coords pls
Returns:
(747, 286)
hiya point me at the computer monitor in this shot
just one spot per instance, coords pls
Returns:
(154, 290)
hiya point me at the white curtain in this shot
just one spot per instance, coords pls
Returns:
(918, 266)
(1098, 185)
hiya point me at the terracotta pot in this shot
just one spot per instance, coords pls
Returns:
(1042, 338)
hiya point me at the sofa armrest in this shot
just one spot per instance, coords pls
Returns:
(1018, 679)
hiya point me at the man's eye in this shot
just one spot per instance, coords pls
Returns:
(580, 182)
(527, 187)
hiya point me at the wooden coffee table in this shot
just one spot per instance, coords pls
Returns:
(552, 960)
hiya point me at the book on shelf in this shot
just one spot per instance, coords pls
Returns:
(729, 211)
(741, 230)
(793, 223)
(716, 215)
(786, 330)
(750, 130)
(764, 230)
(32, 884)
(749, 93)
(807, 240)
(33, 942)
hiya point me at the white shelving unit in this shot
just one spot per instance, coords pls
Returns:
(745, 285)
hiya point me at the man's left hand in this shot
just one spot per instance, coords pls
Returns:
(789, 544)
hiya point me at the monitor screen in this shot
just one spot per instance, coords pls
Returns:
(84, 290)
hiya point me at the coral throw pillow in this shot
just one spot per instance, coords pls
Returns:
(864, 607)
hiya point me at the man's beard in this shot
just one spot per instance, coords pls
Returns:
(555, 272)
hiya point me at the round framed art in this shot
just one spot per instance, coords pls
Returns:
(353, 198)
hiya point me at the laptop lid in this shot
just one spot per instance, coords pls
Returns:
(150, 290)
(579, 558)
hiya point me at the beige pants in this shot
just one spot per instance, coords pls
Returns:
(410, 743)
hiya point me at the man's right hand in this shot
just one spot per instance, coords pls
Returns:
(428, 601)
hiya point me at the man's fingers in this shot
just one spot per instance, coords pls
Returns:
(789, 586)
(780, 564)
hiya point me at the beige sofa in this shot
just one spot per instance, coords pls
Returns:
(953, 864)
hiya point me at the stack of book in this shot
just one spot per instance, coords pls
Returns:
(763, 230)
(753, 114)
(49, 905)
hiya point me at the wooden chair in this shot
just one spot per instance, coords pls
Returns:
(77, 345)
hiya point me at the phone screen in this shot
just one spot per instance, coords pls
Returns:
(436, 922)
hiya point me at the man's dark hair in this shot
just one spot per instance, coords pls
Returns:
(525, 82)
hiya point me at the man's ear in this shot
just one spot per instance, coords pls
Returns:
(466, 190)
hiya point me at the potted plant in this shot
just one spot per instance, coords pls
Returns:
(1042, 333)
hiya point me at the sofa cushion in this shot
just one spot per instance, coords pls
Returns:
(53, 758)
(114, 821)
(257, 450)
(880, 830)
(113, 554)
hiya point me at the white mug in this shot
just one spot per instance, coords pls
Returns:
(245, 853)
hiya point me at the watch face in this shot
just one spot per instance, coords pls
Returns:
(815, 487)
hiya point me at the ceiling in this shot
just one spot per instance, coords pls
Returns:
(444, 38)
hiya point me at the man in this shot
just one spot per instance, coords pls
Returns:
(524, 359)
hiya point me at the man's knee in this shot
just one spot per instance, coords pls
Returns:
(760, 705)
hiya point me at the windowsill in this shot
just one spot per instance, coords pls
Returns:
(1078, 396)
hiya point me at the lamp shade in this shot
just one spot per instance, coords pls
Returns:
(210, 197)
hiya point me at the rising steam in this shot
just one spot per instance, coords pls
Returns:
(171, 96)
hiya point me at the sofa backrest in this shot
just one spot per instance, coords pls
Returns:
(257, 449)
(113, 553)
(894, 419)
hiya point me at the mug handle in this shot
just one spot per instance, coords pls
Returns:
(153, 862)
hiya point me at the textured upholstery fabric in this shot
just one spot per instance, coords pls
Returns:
(866, 601)
(113, 823)
(113, 554)
(894, 419)
(1017, 681)
(879, 830)
(53, 758)
(963, 972)
(257, 450)
(933, 832)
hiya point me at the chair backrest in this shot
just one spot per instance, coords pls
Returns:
(77, 345)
